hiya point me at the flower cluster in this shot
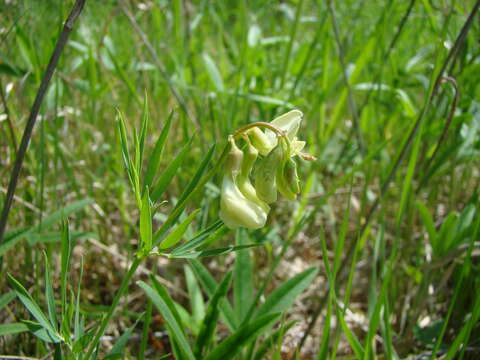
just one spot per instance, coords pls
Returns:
(267, 158)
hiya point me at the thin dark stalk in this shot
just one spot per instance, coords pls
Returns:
(341, 56)
(445, 128)
(387, 54)
(383, 190)
(27, 133)
(378, 78)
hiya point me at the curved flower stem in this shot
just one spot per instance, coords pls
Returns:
(266, 125)
(241, 132)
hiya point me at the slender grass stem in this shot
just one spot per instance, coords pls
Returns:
(341, 56)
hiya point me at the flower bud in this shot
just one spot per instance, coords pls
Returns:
(265, 175)
(260, 140)
(250, 156)
(291, 176)
(287, 180)
(233, 163)
(244, 184)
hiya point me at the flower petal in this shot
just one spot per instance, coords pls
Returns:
(236, 210)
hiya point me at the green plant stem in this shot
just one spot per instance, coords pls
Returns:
(120, 292)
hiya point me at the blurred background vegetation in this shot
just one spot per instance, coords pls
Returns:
(360, 71)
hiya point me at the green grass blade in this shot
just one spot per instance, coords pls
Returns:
(193, 185)
(200, 239)
(210, 285)
(274, 338)
(146, 234)
(13, 328)
(213, 72)
(207, 329)
(5, 299)
(243, 277)
(168, 174)
(212, 252)
(197, 305)
(284, 296)
(351, 337)
(14, 236)
(64, 270)
(118, 349)
(49, 293)
(234, 343)
(165, 305)
(32, 307)
(177, 233)
(42, 333)
(143, 129)
(156, 155)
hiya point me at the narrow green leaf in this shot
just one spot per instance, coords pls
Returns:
(207, 329)
(136, 146)
(143, 128)
(78, 329)
(11, 238)
(5, 299)
(147, 320)
(12, 328)
(63, 213)
(156, 155)
(49, 293)
(427, 222)
(243, 277)
(200, 239)
(146, 223)
(177, 234)
(213, 72)
(42, 333)
(118, 349)
(31, 305)
(210, 285)
(234, 343)
(172, 321)
(284, 296)
(351, 337)
(276, 337)
(65, 266)
(124, 76)
(192, 186)
(83, 341)
(191, 189)
(122, 129)
(197, 305)
(168, 174)
(212, 252)
(12, 70)
(14, 236)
